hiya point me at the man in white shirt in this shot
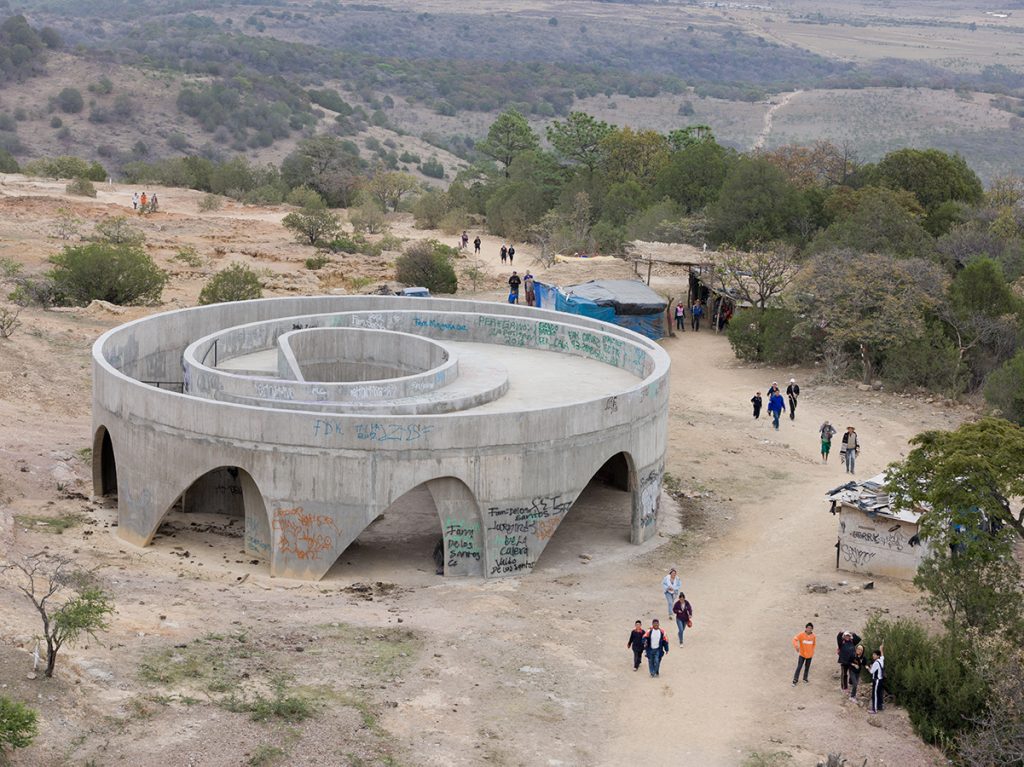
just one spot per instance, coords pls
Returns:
(655, 645)
(671, 585)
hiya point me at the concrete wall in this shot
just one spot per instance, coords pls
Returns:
(878, 545)
(311, 482)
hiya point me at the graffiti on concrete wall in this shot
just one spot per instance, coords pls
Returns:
(856, 556)
(650, 497)
(461, 541)
(303, 535)
(513, 529)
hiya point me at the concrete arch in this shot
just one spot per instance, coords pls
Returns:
(233, 491)
(104, 463)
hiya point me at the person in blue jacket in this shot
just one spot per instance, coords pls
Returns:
(776, 407)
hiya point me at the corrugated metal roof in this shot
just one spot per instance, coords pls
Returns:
(870, 497)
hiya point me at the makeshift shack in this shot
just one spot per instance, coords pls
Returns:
(874, 538)
(627, 303)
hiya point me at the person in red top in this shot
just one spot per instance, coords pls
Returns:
(804, 643)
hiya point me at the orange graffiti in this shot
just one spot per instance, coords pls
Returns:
(303, 535)
(546, 527)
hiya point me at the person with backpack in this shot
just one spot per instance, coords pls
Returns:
(804, 644)
(793, 392)
(827, 432)
(846, 646)
(684, 615)
(850, 449)
(776, 406)
(513, 288)
(656, 647)
(696, 312)
(636, 643)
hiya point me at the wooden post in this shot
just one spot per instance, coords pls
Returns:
(650, 261)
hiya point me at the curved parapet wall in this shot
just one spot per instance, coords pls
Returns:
(504, 412)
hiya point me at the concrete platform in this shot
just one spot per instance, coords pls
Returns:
(502, 413)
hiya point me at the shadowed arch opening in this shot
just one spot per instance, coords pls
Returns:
(599, 520)
(431, 530)
(222, 510)
(104, 464)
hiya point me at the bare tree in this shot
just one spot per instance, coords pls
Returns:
(44, 578)
(761, 275)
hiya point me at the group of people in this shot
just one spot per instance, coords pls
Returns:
(850, 448)
(654, 642)
(528, 286)
(507, 252)
(776, 404)
(144, 203)
(464, 242)
(852, 663)
(721, 313)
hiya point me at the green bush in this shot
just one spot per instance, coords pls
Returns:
(7, 162)
(188, 255)
(772, 335)
(432, 168)
(81, 187)
(304, 197)
(210, 203)
(236, 283)
(932, 677)
(345, 244)
(119, 273)
(118, 230)
(312, 226)
(428, 264)
(34, 290)
(1004, 389)
(430, 208)
(931, 361)
(70, 101)
(319, 261)
(17, 725)
(66, 167)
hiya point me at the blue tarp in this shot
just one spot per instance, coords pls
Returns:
(650, 324)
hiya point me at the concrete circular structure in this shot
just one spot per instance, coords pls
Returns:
(310, 416)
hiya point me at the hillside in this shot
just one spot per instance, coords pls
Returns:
(431, 80)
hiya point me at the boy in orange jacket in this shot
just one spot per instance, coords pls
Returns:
(804, 643)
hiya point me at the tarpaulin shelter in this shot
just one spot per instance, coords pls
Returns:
(627, 303)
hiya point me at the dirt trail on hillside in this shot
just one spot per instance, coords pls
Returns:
(770, 115)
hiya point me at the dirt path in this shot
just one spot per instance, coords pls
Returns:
(770, 115)
(728, 689)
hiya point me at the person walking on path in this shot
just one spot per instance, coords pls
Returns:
(684, 614)
(680, 317)
(143, 201)
(476, 245)
(513, 288)
(850, 449)
(636, 643)
(793, 392)
(656, 646)
(827, 432)
(696, 312)
(531, 296)
(671, 585)
(846, 646)
(858, 662)
(504, 253)
(135, 200)
(877, 680)
(804, 643)
(511, 254)
(773, 389)
(465, 240)
(776, 406)
(756, 401)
